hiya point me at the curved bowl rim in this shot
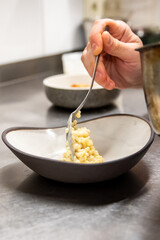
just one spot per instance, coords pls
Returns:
(146, 146)
(65, 75)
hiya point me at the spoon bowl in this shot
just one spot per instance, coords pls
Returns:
(122, 140)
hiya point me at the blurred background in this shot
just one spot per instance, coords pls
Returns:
(37, 28)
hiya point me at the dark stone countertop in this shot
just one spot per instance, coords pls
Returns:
(32, 207)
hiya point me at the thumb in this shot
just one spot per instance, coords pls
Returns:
(116, 48)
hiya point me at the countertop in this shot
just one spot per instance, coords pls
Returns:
(32, 207)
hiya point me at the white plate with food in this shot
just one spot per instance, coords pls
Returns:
(122, 140)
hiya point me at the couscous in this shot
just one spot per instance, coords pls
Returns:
(84, 151)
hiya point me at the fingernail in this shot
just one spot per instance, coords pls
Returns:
(109, 40)
(112, 84)
(95, 48)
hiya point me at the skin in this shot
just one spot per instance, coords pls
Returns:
(119, 64)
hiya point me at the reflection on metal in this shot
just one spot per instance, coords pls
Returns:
(150, 59)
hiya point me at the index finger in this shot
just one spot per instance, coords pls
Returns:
(116, 29)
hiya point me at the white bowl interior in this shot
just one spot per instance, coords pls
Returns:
(64, 81)
(114, 137)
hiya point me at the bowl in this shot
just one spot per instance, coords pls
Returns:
(60, 91)
(121, 139)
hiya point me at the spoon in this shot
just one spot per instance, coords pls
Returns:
(72, 116)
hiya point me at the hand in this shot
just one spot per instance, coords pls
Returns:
(119, 64)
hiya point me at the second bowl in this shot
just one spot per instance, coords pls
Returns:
(69, 90)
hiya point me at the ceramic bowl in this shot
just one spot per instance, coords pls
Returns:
(60, 92)
(122, 140)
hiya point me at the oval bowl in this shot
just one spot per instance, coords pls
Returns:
(121, 139)
(59, 91)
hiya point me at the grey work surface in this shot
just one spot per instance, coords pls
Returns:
(32, 207)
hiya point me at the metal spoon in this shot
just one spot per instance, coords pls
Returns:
(72, 116)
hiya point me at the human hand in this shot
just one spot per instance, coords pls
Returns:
(119, 64)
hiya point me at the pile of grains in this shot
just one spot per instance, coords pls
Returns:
(84, 151)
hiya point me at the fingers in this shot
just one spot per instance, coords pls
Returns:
(118, 29)
(101, 77)
(114, 47)
(118, 56)
(95, 36)
(88, 59)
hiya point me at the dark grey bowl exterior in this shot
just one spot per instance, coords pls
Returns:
(72, 98)
(78, 173)
(72, 173)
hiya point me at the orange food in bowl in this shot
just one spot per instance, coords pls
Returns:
(80, 85)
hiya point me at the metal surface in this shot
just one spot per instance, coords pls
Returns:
(32, 207)
(15, 70)
(150, 59)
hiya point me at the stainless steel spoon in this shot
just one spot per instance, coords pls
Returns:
(72, 116)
